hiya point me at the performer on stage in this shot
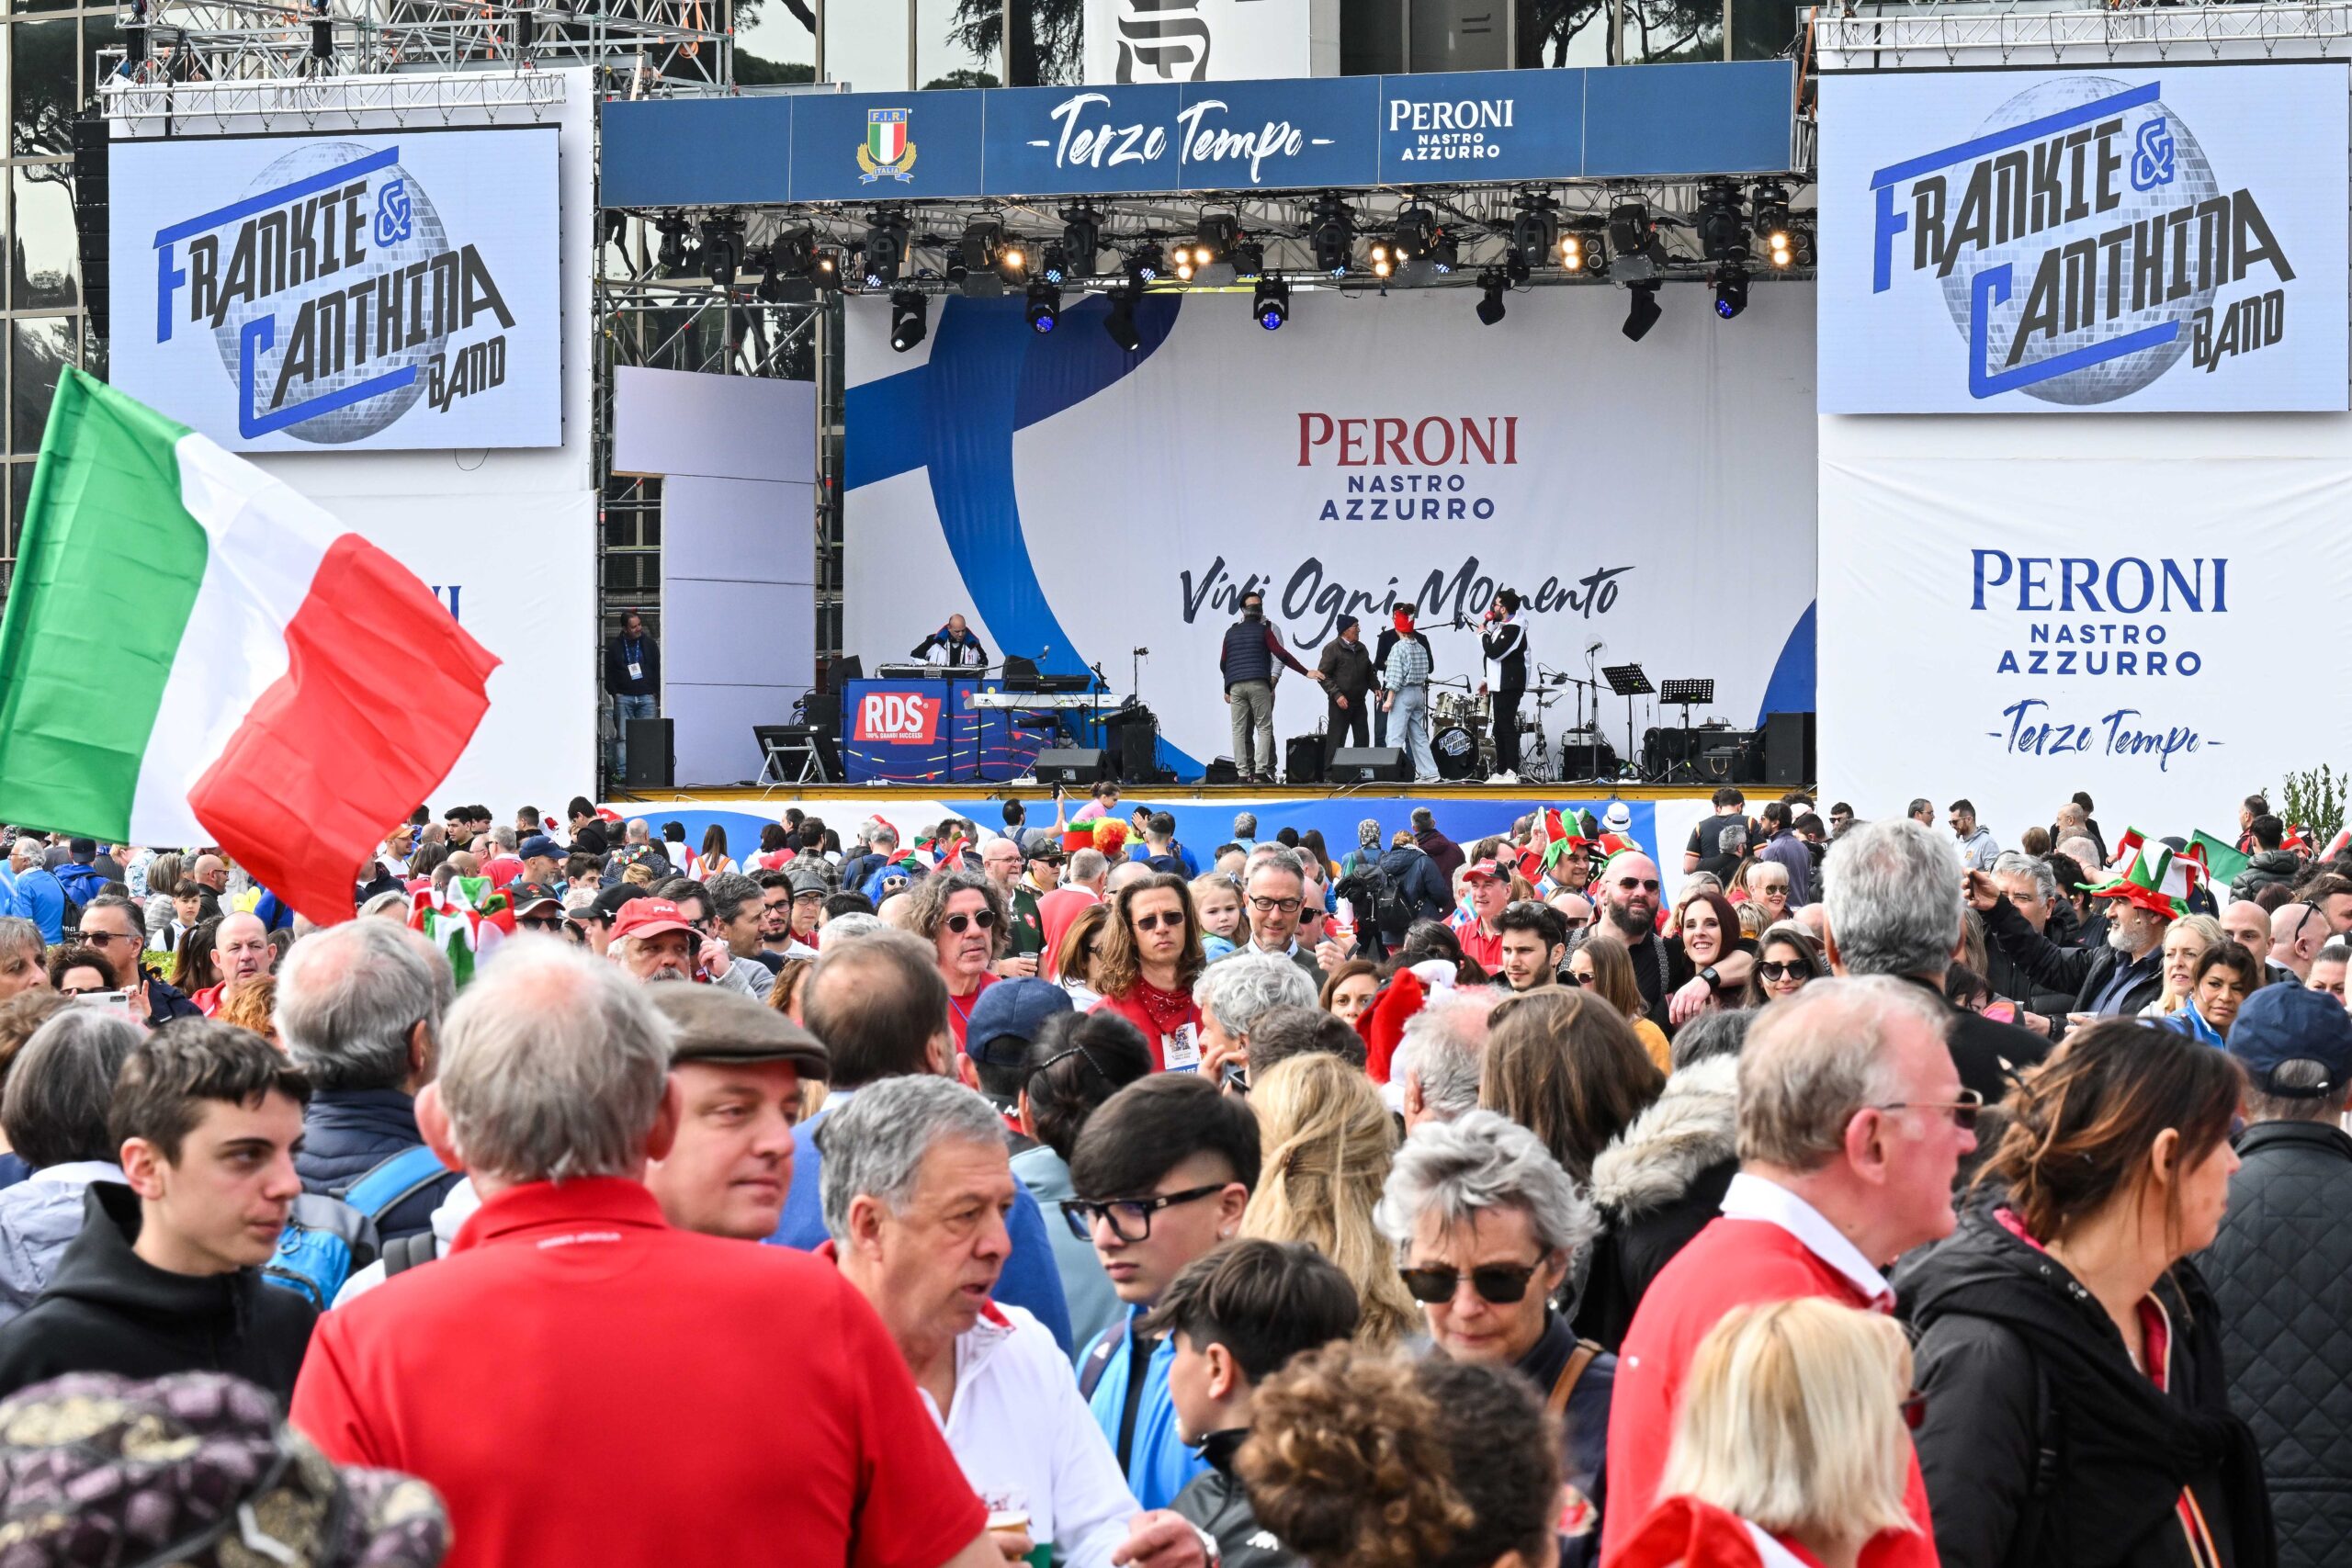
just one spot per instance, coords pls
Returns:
(1505, 636)
(1404, 683)
(1246, 661)
(1347, 688)
(952, 644)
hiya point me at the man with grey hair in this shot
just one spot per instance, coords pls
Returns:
(1271, 900)
(1090, 869)
(2031, 887)
(1893, 898)
(2281, 1265)
(1852, 1122)
(1232, 993)
(554, 1094)
(1435, 1076)
(917, 1185)
(2117, 980)
(359, 1011)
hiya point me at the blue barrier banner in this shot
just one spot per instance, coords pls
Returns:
(1298, 134)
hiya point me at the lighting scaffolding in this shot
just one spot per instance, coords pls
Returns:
(1885, 35)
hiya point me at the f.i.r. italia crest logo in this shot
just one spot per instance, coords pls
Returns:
(887, 154)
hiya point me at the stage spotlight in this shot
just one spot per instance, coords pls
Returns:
(1723, 230)
(1044, 307)
(1642, 309)
(1731, 292)
(1209, 261)
(1082, 239)
(1632, 234)
(1052, 265)
(1334, 236)
(1249, 258)
(1120, 319)
(1770, 206)
(910, 319)
(1781, 250)
(1383, 258)
(1491, 284)
(790, 262)
(1415, 229)
(1536, 229)
(885, 249)
(1147, 264)
(1271, 305)
(1012, 260)
(672, 253)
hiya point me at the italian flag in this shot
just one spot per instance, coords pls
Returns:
(193, 654)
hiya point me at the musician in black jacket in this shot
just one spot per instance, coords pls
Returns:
(1505, 636)
(956, 642)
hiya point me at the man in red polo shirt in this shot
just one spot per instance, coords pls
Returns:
(582, 1384)
(1486, 888)
(1852, 1122)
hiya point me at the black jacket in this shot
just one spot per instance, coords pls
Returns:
(347, 1133)
(648, 683)
(2043, 1444)
(1505, 646)
(1347, 669)
(1987, 1054)
(1419, 882)
(1219, 1504)
(2085, 970)
(2268, 868)
(2282, 1274)
(1658, 1185)
(108, 1309)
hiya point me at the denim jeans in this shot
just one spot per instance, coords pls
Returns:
(1408, 725)
(624, 709)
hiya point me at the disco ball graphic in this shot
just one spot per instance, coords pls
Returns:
(425, 238)
(2192, 182)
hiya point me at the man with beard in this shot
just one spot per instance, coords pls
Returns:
(2116, 980)
(654, 942)
(1673, 989)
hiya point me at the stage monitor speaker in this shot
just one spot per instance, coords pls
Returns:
(1138, 751)
(1073, 765)
(848, 668)
(1721, 764)
(652, 755)
(1221, 771)
(1303, 759)
(1369, 765)
(1787, 749)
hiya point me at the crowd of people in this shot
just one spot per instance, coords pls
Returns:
(1859, 1194)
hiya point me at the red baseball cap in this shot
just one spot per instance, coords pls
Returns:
(1485, 870)
(650, 917)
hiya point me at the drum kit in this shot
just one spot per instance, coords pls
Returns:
(1462, 735)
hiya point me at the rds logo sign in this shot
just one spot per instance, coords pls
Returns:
(896, 718)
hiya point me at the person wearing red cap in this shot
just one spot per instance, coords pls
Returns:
(1486, 888)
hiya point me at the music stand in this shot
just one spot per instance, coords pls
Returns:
(1686, 694)
(1628, 682)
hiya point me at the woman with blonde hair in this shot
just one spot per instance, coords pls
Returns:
(1328, 1142)
(1603, 967)
(1789, 1442)
(2187, 940)
(1565, 1066)
(1074, 956)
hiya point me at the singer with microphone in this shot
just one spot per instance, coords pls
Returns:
(1504, 634)
(1346, 665)
(953, 645)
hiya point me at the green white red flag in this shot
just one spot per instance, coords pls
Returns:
(193, 654)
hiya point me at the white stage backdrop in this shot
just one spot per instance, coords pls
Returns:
(2088, 240)
(1079, 503)
(2014, 610)
(387, 291)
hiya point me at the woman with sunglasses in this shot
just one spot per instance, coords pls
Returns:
(1788, 960)
(1488, 1228)
(1602, 964)
(1146, 964)
(1789, 1442)
(961, 914)
(2077, 1406)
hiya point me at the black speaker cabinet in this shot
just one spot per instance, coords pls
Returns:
(1787, 749)
(1138, 752)
(652, 755)
(1073, 765)
(1370, 765)
(1303, 759)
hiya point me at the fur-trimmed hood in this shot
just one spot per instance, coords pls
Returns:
(1691, 1126)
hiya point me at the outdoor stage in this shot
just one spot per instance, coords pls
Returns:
(1203, 814)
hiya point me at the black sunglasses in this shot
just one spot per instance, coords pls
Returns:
(1172, 919)
(1774, 969)
(959, 924)
(1501, 1283)
(1129, 1218)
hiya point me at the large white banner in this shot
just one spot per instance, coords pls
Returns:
(2078, 241)
(385, 291)
(1652, 500)
(2014, 610)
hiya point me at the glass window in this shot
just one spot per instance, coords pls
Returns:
(775, 40)
(44, 262)
(959, 43)
(98, 33)
(20, 486)
(38, 350)
(44, 95)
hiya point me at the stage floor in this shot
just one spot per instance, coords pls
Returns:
(792, 795)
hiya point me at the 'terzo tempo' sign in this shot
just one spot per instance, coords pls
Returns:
(356, 291)
(2088, 240)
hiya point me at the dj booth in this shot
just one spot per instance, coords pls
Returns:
(948, 727)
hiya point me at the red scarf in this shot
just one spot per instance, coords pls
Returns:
(1167, 1009)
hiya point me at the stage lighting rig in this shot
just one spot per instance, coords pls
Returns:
(1769, 207)
(673, 230)
(910, 318)
(1053, 264)
(791, 261)
(1381, 258)
(1271, 305)
(1082, 239)
(1730, 290)
(1120, 319)
(1584, 250)
(1012, 260)
(722, 249)
(1491, 284)
(1145, 265)
(1333, 236)
(1723, 228)
(1249, 258)
(1632, 236)
(1044, 307)
(1642, 309)
(1208, 259)
(885, 249)
(825, 270)
(1535, 230)
(972, 261)
(1415, 229)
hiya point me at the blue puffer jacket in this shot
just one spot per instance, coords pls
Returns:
(349, 1132)
(82, 884)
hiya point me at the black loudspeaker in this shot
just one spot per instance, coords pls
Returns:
(1369, 765)
(652, 755)
(91, 145)
(844, 670)
(1787, 749)
(1303, 759)
(1138, 752)
(1222, 772)
(1073, 765)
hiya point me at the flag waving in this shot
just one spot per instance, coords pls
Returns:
(193, 654)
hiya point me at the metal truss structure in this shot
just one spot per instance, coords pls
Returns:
(638, 46)
(1888, 35)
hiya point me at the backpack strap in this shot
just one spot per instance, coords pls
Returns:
(409, 1251)
(395, 1179)
(1565, 1383)
(1098, 1360)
